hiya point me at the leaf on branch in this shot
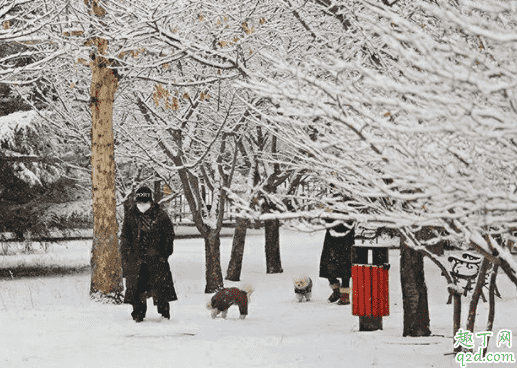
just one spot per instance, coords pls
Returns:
(166, 190)
(97, 10)
(175, 104)
(72, 85)
(201, 17)
(222, 43)
(7, 24)
(262, 20)
(185, 96)
(159, 93)
(247, 29)
(387, 115)
(166, 66)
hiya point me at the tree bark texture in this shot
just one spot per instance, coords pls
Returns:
(456, 318)
(239, 239)
(491, 305)
(478, 290)
(106, 279)
(213, 272)
(272, 234)
(158, 192)
(414, 292)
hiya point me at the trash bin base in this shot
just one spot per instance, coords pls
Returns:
(370, 323)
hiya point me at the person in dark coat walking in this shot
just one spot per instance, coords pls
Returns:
(145, 245)
(336, 261)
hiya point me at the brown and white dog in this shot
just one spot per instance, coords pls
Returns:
(225, 298)
(303, 288)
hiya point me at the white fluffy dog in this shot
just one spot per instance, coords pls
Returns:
(303, 288)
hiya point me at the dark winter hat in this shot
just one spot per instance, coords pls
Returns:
(144, 194)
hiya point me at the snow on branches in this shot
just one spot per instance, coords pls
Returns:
(410, 116)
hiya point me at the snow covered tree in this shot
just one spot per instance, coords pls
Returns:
(106, 281)
(33, 161)
(179, 63)
(412, 106)
(261, 176)
(260, 172)
(34, 154)
(52, 34)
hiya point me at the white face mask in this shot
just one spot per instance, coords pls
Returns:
(142, 207)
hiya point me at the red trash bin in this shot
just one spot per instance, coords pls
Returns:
(370, 291)
(370, 285)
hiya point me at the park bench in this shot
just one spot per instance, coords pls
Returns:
(465, 269)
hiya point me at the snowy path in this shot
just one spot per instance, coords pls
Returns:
(50, 322)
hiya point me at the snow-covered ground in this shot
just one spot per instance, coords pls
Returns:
(50, 322)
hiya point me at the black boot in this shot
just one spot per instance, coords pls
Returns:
(139, 311)
(137, 317)
(164, 309)
(334, 297)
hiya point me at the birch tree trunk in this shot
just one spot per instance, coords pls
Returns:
(106, 281)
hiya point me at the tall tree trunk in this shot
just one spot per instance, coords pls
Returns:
(158, 192)
(213, 272)
(491, 304)
(272, 227)
(239, 238)
(273, 262)
(456, 318)
(478, 290)
(414, 292)
(106, 280)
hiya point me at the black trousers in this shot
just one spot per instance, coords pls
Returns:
(140, 308)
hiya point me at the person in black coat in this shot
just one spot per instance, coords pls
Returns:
(145, 245)
(336, 261)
